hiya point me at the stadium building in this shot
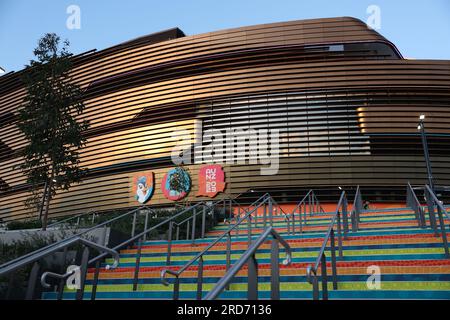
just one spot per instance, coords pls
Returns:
(342, 100)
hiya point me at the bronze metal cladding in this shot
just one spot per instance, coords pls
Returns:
(344, 99)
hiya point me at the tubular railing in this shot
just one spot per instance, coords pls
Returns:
(414, 203)
(25, 260)
(36, 258)
(249, 258)
(311, 271)
(139, 238)
(309, 204)
(356, 210)
(78, 218)
(261, 202)
(435, 206)
(15, 263)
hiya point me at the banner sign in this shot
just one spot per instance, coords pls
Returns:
(211, 180)
(143, 186)
(173, 194)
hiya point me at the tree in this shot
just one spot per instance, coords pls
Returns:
(48, 120)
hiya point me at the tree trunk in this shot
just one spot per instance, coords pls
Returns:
(47, 204)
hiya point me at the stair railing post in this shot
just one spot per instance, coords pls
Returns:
(309, 204)
(304, 212)
(62, 270)
(431, 213)
(83, 272)
(271, 211)
(146, 225)
(333, 259)
(176, 288)
(345, 216)
(138, 262)
(187, 229)
(339, 235)
(228, 256)
(94, 281)
(315, 285)
(194, 218)
(313, 203)
(169, 243)
(32, 281)
(133, 227)
(323, 265)
(265, 213)
(249, 230)
(300, 219)
(443, 231)
(200, 279)
(275, 273)
(252, 288)
(203, 222)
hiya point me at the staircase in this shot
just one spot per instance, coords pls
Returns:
(411, 261)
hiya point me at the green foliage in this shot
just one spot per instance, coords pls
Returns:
(48, 120)
(24, 224)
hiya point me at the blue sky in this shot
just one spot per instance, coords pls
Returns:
(420, 29)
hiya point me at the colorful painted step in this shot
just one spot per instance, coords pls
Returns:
(411, 261)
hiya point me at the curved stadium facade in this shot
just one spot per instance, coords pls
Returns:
(345, 102)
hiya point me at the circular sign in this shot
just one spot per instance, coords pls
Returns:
(175, 195)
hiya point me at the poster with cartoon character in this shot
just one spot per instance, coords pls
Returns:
(143, 184)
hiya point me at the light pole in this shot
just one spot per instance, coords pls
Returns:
(421, 127)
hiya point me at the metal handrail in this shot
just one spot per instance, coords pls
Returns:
(413, 202)
(49, 251)
(93, 213)
(249, 257)
(263, 199)
(356, 210)
(433, 201)
(310, 201)
(311, 271)
(17, 262)
(94, 245)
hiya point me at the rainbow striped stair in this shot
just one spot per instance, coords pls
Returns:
(411, 261)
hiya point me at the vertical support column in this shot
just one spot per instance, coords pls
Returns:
(169, 243)
(345, 216)
(252, 289)
(200, 279)
(444, 233)
(133, 227)
(187, 229)
(32, 281)
(62, 283)
(228, 255)
(138, 262)
(83, 272)
(176, 289)
(339, 235)
(333, 259)
(194, 218)
(271, 211)
(146, 225)
(95, 280)
(203, 222)
(265, 213)
(431, 212)
(323, 265)
(275, 273)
